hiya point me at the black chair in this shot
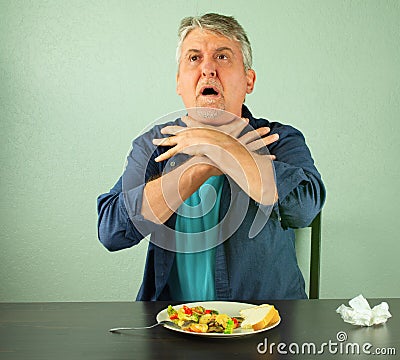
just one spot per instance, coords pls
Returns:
(315, 257)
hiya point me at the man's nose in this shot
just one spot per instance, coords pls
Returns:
(209, 68)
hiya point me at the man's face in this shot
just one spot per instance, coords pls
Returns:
(211, 72)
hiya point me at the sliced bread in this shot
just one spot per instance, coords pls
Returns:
(259, 317)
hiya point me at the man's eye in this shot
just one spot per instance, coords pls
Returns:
(193, 58)
(222, 57)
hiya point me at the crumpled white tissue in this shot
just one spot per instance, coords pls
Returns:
(360, 313)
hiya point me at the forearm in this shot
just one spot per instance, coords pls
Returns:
(163, 196)
(115, 230)
(252, 172)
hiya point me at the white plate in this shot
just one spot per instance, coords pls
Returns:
(223, 307)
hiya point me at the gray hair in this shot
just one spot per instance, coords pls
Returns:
(224, 25)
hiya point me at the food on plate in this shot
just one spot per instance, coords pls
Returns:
(259, 317)
(201, 320)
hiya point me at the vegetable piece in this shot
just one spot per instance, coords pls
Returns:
(216, 329)
(186, 314)
(187, 310)
(199, 310)
(222, 319)
(199, 328)
(229, 327)
(172, 313)
(198, 319)
(204, 319)
(195, 317)
(235, 323)
(185, 325)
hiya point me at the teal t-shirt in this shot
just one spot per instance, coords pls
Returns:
(192, 275)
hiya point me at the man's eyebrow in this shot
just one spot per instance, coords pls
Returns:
(188, 51)
(224, 48)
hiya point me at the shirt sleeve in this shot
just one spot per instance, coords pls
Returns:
(300, 188)
(120, 223)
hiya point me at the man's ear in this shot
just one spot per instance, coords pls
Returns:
(178, 89)
(251, 79)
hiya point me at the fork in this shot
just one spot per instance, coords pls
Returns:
(163, 322)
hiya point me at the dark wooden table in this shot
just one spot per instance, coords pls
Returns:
(309, 330)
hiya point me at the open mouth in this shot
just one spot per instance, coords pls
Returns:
(209, 91)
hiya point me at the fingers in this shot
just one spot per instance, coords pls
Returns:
(253, 140)
(168, 141)
(166, 155)
(172, 129)
(270, 139)
(259, 143)
(256, 145)
(262, 131)
(257, 134)
(254, 135)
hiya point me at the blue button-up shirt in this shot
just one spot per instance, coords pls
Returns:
(260, 267)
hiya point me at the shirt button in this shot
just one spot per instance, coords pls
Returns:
(172, 163)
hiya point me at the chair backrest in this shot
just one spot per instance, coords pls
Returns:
(308, 249)
(315, 257)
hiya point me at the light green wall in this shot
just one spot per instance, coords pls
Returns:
(80, 79)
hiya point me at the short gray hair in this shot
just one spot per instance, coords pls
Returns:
(220, 24)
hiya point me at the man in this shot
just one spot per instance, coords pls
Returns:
(243, 258)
